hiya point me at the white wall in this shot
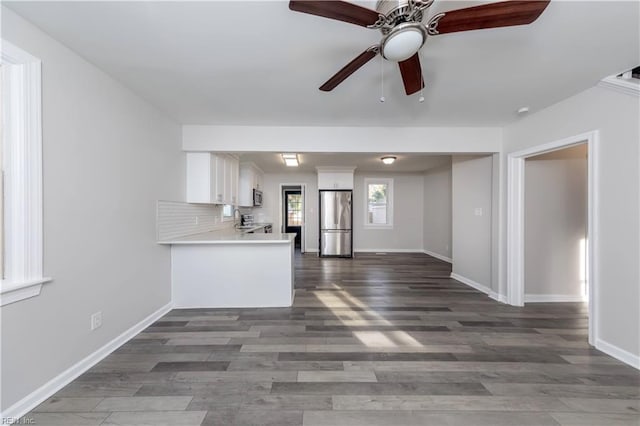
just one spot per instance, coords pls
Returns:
(555, 223)
(108, 156)
(342, 139)
(406, 234)
(271, 209)
(471, 233)
(615, 115)
(437, 210)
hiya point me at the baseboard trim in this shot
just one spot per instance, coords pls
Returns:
(313, 250)
(45, 391)
(499, 297)
(618, 353)
(464, 280)
(387, 251)
(480, 287)
(549, 298)
(438, 256)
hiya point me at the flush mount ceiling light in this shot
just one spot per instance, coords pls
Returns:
(291, 160)
(388, 159)
(403, 41)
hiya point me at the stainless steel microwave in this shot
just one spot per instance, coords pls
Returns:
(257, 198)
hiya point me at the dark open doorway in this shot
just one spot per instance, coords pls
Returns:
(293, 212)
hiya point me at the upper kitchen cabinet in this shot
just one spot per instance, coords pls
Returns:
(212, 178)
(233, 171)
(251, 177)
(335, 177)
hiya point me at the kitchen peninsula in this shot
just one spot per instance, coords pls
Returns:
(232, 269)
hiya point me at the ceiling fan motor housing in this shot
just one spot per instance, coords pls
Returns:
(396, 11)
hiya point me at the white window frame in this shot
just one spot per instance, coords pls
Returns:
(22, 229)
(389, 183)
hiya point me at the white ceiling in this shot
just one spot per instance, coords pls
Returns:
(258, 63)
(363, 162)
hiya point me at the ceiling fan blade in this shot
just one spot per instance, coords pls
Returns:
(411, 71)
(493, 15)
(349, 69)
(333, 9)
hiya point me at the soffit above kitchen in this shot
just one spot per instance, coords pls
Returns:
(271, 162)
(259, 63)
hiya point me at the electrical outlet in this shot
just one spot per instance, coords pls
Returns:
(197, 220)
(96, 320)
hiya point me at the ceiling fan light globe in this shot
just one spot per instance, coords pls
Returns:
(403, 43)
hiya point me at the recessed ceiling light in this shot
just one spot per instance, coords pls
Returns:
(388, 159)
(291, 160)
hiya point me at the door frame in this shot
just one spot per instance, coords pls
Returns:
(303, 228)
(515, 221)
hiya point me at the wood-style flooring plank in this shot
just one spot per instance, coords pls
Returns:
(375, 340)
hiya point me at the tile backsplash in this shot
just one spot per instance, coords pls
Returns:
(177, 219)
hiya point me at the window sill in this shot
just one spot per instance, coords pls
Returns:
(11, 292)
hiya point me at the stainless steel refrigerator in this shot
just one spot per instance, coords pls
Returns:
(335, 223)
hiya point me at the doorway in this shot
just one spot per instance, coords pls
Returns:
(555, 226)
(293, 208)
(516, 190)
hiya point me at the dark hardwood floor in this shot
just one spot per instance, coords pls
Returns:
(376, 340)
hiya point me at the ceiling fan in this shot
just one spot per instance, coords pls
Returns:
(403, 33)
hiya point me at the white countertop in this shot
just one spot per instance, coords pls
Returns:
(231, 236)
(254, 227)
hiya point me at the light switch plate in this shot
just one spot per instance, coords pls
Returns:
(96, 320)
(478, 211)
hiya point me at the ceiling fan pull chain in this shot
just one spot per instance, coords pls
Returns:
(421, 77)
(381, 79)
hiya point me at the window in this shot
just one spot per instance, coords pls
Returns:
(227, 212)
(633, 73)
(379, 203)
(22, 257)
(294, 209)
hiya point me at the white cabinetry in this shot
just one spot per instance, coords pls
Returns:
(217, 186)
(335, 177)
(250, 178)
(233, 171)
(212, 178)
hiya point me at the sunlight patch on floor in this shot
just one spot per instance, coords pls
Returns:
(404, 339)
(335, 301)
(374, 338)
